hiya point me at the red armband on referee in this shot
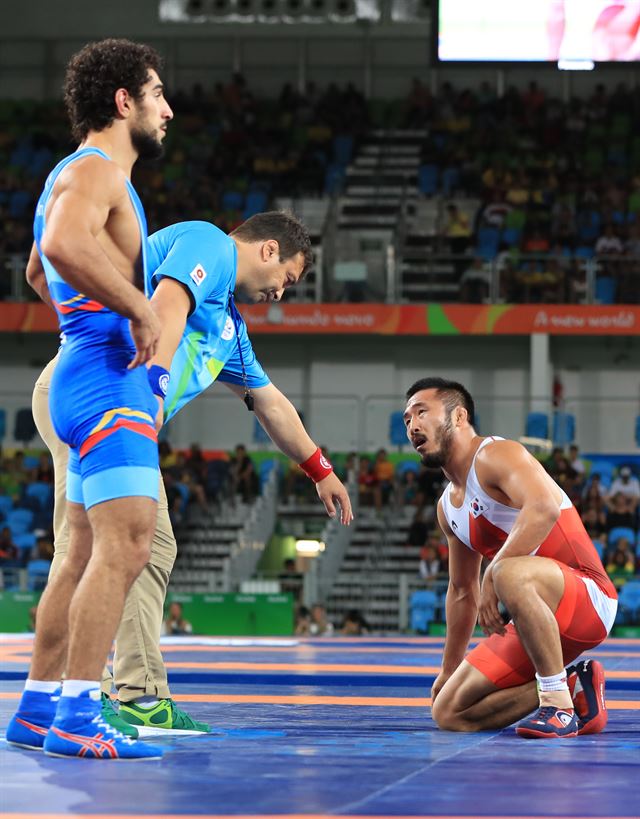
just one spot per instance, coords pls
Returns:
(317, 467)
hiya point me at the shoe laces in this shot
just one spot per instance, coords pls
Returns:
(180, 719)
(101, 723)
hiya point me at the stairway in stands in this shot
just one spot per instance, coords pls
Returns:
(205, 540)
(370, 575)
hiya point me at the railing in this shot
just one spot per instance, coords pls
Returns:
(245, 554)
(319, 580)
(424, 273)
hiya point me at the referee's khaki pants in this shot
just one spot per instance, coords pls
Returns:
(138, 668)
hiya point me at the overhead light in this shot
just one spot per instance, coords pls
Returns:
(309, 548)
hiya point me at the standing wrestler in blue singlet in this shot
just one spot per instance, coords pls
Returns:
(90, 234)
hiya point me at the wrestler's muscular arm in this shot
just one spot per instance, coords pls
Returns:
(462, 602)
(283, 425)
(91, 229)
(512, 476)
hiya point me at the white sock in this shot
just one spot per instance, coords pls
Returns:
(557, 682)
(147, 702)
(73, 688)
(42, 686)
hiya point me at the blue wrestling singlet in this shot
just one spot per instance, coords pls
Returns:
(102, 410)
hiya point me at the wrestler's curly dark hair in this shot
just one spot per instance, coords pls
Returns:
(292, 236)
(96, 72)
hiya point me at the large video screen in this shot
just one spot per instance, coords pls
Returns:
(572, 33)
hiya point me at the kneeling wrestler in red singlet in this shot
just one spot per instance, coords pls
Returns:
(501, 504)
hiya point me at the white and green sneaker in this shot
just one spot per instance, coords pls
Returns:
(111, 716)
(165, 714)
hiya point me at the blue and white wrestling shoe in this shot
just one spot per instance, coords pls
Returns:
(80, 730)
(32, 720)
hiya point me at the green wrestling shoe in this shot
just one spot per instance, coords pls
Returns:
(110, 715)
(165, 714)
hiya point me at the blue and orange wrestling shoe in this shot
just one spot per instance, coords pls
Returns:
(80, 730)
(586, 684)
(32, 720)
(549, 722)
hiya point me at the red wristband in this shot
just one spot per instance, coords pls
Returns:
(317, 467)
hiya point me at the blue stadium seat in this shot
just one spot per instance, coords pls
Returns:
(638, 430)
(629, 601)
(24, 428)
(606, 287)
(511, 236)
(537, 425)
(423, 609)
(232, 200)
(428, 179)
(37, 574)
(19, 520)
(41, 492)
(450, 180)
(597, 544)
(621, 531)
(256, 202)
(407, 466)
(397, 429)
(342, 149)
(6, 505)
(488, 241)
(564, 428)
(25, 542)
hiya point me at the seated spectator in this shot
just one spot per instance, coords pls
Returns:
(196, 463)
(9, 552)
(296, 483)
(319, 625)
(244, 479)
(628, 485)
(13, 477)
(620, 511)
(175, 623)
(384, 472)
(43, 473)
(457, 229)
(167, 455)
(621, 563)
(302, 626)
(418, 530)
(354, 624)
(475, 282)
(595, 522)
(608, 243)
(291, 579)
(594, 488)
(576, 462)
(408, 488)
(44, 548)
(175, 499)
(429, 566)
(366, 483)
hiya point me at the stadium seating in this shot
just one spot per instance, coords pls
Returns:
(629, 601)
(564, 428)
(537, 425)
(397, 429)
(423, 609)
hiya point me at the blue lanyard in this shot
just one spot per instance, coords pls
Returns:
(237, 320)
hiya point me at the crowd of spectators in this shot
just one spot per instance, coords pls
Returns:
(26, 510)
(227, 152)
(557, 180)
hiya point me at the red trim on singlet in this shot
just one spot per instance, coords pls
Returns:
(133, 426)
